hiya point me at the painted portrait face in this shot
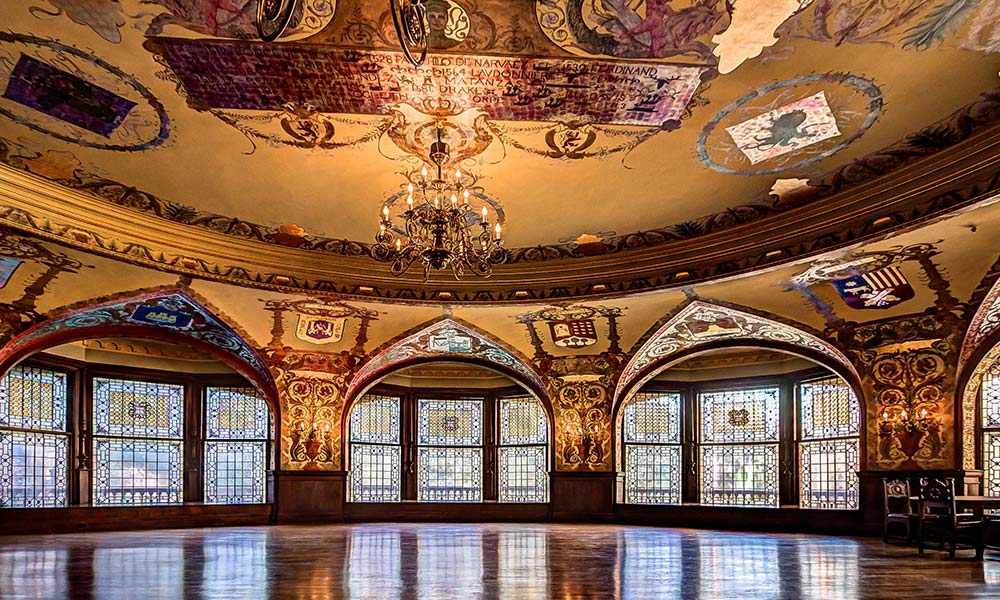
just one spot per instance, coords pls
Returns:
(437, 16)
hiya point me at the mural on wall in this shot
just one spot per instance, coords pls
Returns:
(910, 389)
(459, 25)
(172, 309)
(871, 280)
(311, 383)
(698, 323)
(790, 124)
(571, 327)
(634, 28)
(911, 24)
(580, 389)
(442, 340)
(66, 93)
(104, 17)
(19, 314)
(336, 80)
(754, 27)
(234, 19)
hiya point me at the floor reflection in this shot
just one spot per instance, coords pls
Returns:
(408, 561)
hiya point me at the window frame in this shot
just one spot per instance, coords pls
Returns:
(409, 398)
(81, 457)
(788, 463)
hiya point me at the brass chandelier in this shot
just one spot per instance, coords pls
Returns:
(437, 228)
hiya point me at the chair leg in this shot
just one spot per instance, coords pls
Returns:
(951, 547)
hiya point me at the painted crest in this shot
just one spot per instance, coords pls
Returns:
(879, 289)
(720, 327)
(160, 315)
(320, 330)
(449, 341)
(573, 333)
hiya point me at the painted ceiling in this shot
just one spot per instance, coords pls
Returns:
(628, 146)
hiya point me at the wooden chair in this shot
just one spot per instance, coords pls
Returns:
(899, 517)
(939, 519)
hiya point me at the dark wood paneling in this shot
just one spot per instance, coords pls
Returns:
(841, 522)
(459, 512)
(308, 496)
(584, 497)
(122, 518)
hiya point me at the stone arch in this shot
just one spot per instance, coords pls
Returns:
(699, 326)
(169, 314)
(452, 340)
(980, 350)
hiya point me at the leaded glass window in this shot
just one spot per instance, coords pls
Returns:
(34, 441)
(651, 425)
(524, 435)
(990, 425)
(237, 426)
(375, 449)
(739, 446)
(450, 450)
(138, 442)
(829, 449)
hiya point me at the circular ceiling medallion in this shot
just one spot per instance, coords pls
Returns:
(790, 124)
(75, 97)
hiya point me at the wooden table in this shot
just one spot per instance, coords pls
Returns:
(977, 504)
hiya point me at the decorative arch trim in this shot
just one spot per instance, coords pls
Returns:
(166, 315)
(702, 326)
(984, 324)
(447, 339)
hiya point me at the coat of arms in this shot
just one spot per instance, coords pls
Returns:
(879, 289)
(575, 333)
(320, 330)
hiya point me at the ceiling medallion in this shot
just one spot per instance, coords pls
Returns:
(408, 16)
(437, 225)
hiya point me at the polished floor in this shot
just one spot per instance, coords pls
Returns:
(511, 561)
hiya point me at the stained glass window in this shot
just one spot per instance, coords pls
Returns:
(449, 450)
(375, 452)
(990, 412)
(739, 452)
(829, 474)
(830, 425)
(651, 427)
(740, 474)
(138, 442)
(34, 442)
(237, 425)
(524, 435)
(739, 416)
(450, 422)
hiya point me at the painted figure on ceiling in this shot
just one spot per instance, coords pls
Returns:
(219, 18)
(634, 28)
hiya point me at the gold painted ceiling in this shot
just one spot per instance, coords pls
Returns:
(628, 146)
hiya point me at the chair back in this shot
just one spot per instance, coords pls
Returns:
(897, 496)
(937, 497)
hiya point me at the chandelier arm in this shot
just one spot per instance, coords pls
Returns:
(273, 17)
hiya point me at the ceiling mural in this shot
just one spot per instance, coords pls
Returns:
(727, 121)
(76, 97)
(789, 124)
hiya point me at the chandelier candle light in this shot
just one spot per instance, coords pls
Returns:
(437, 224)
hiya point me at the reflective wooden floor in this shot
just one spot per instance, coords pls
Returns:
(427, 562)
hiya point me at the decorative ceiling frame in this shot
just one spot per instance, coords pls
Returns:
(698, 325)
(168, 315)
(448, 339)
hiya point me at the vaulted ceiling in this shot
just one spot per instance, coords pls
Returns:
(756, 153)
